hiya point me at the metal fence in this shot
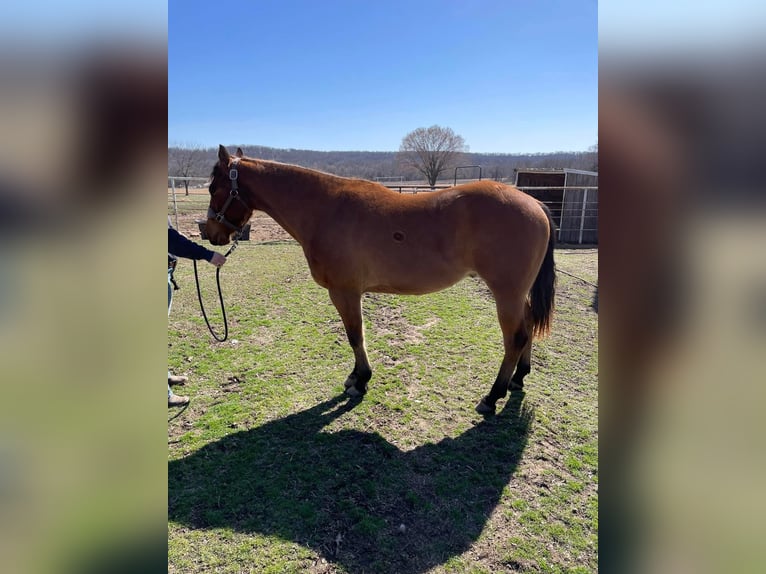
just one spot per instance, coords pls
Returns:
(576, 215)
(172, 179)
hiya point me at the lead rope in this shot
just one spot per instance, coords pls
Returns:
(220, 294)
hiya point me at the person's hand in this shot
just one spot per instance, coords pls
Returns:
(218, 260)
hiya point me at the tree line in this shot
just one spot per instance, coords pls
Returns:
(196, 161)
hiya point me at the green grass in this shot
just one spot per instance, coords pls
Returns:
(272, 469)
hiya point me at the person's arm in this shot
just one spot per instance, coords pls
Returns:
(180, 246)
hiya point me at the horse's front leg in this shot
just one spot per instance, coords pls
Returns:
(349, 305)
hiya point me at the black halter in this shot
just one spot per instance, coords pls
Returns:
(220, 217)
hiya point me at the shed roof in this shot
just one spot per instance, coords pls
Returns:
(554, 170)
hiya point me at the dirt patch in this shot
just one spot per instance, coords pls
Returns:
(262, 227)
(262, 337)
(388, 320)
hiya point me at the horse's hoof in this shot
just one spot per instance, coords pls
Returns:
(349, 383)
(353, 392)
(484, 409)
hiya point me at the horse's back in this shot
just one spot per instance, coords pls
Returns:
(495, 211)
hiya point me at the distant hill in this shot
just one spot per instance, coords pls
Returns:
(376, 164)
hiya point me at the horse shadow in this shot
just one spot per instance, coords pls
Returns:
(594, 302)
(352, 496)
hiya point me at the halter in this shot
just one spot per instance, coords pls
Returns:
(220, 217)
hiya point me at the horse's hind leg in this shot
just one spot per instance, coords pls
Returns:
(523, 368)
(349, 306)
(525, 360)
(510, 313)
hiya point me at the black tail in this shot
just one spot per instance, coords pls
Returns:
(544, 288)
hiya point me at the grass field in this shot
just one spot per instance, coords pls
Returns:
(273, 469)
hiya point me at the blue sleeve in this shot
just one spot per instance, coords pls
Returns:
(179, 246)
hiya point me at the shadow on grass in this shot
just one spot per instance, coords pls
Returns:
(345, 494)
(594, 303)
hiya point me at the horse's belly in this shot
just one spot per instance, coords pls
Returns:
(415, 279)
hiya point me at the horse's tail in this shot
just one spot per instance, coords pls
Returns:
(544, 288)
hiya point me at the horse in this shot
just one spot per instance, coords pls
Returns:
(359, 236)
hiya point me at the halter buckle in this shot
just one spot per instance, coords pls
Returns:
(233, 174)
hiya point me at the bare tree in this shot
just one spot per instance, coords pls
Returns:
(594, 150)
(431, 151)
(497, 173)
(186, 161)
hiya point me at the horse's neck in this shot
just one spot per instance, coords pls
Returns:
(294, 198)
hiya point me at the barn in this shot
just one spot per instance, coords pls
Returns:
(571, 195)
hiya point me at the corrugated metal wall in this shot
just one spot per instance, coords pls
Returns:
(577, 221)
(576, 217)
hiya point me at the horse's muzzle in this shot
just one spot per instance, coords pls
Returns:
(216, 233)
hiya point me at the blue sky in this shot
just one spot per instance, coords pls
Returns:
(510, 76)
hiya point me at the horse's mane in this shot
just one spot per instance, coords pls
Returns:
(271, 167)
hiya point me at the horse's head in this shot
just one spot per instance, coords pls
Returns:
(229, 211)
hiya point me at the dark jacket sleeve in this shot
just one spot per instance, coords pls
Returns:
(179, 246)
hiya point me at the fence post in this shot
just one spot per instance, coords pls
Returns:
(175, 206)
(561, 215)
(582, 213)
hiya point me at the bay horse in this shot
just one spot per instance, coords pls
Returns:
(359, 236)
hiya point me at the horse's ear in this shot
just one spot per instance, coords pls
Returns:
(223, 156)
(239, 152)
